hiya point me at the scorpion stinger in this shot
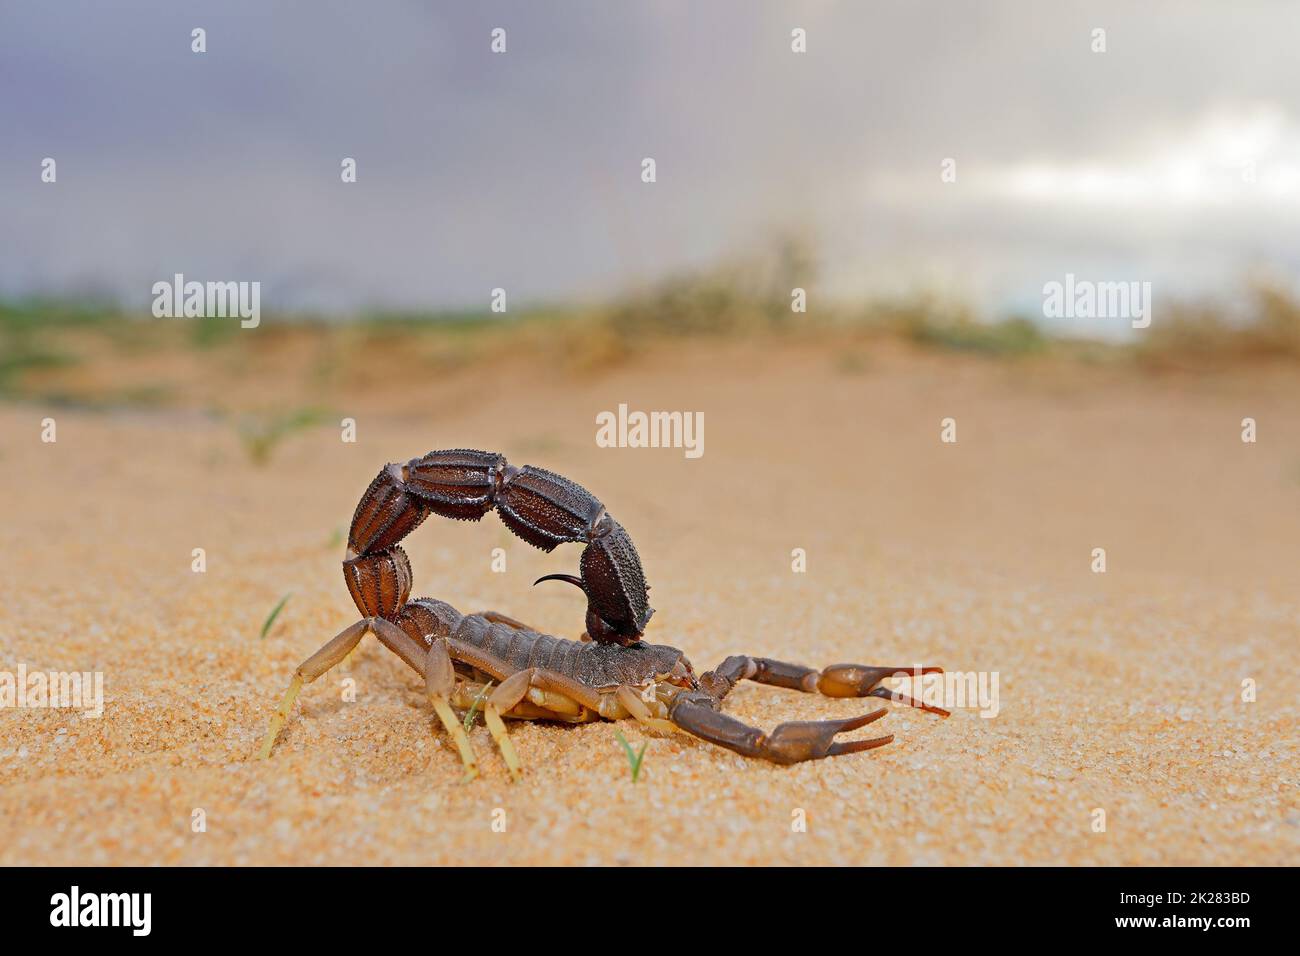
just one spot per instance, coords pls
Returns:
(571, 579)
(612, 676)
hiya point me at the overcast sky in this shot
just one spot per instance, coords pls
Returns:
(522, 170)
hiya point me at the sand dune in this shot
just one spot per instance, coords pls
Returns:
(1119, 691)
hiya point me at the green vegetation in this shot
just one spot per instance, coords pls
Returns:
(261, 435)
(1010, 337)
(35, 314)
(94, 355)
(210, 332)
(1266, 326)
(20, 356)
(275, 612)
(633, 759)
(476, 706)
(23, 349)
(744, 296)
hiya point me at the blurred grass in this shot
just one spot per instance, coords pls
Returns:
(736, 297)
(23, 346)
(260, 435)
(20, 316)
(92, 354)
(19, 357)
(275, 612)
(954, 328)
(1265, 328)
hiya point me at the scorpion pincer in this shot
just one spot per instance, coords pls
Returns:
(608, 674)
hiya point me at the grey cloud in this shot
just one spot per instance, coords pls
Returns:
(521, 170)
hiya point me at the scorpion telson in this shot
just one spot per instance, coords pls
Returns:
(610, 673)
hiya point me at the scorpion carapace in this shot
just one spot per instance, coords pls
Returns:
(609, 674)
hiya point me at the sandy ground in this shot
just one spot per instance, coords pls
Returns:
(1119, 691)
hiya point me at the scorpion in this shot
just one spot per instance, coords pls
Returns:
(609, 673)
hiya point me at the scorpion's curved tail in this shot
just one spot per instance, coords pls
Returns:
(539, 506)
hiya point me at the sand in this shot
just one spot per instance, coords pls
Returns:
(1119, 692)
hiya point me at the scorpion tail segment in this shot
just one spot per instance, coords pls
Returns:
(618, 598)
(380, 584)
(461, 483)
(546, 509)
(386, 513)
(539, 506)
(618, 606)
(789, 743)
(857, 680)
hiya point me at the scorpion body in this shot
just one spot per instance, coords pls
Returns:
(602, 668)
(609, 674)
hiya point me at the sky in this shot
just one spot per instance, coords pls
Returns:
(1172, 157)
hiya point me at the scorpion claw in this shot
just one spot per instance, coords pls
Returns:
(791, 742)
(854, 746)
(856, 680)
(813, 739)
(852, 723)
(884, 693)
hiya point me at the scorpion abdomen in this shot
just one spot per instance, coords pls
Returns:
(609, 665)
(593, 665)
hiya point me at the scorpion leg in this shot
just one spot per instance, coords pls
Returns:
(638, 708)
(412, 652)
(439, 686)
(439, 681)
(332, 653)
(789, 743)
(839, 680)
(554, 692)
(470, 696)
(510, 692)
